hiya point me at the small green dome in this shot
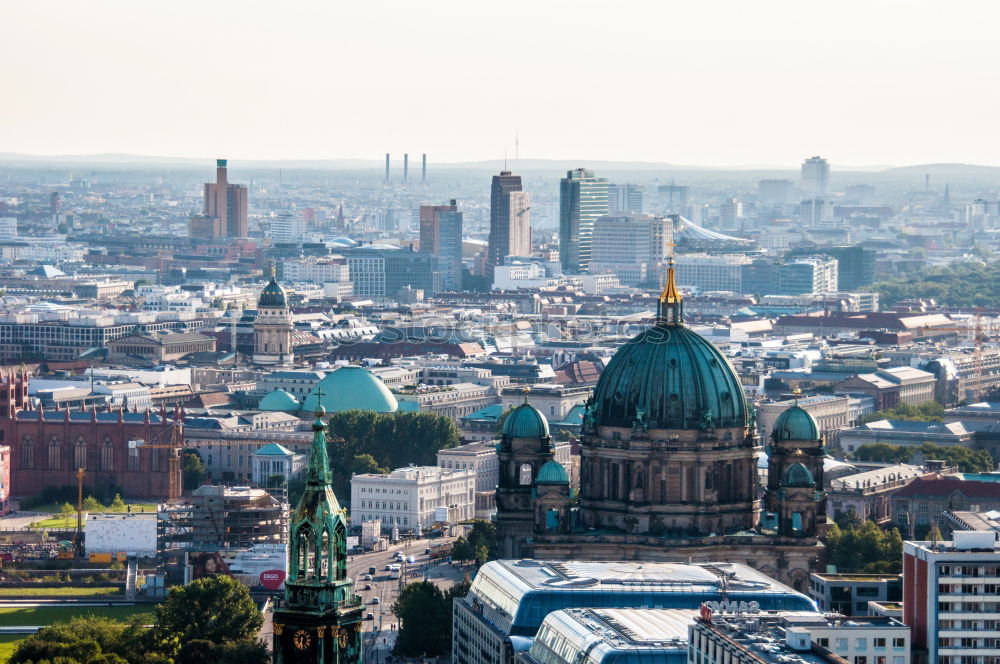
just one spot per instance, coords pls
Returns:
(525, 421)
(279, 400)
(798, 475)
(272, 295)
(669, 377)
(552, 472)
(795, 424)
(351, 388)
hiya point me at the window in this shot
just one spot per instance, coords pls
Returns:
(899, 642)
(860, 659)
(878, 642)
(841, 644)
(861, 644)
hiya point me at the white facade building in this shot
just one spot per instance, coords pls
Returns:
(408, 497)
(815, 175)
(711, 273)
(8, 227)
(521, 275)
(630, 246)
(287, 228)
(316, 270)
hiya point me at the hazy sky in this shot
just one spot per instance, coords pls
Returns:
(693, 82)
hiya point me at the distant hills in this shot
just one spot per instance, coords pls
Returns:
(492, 165)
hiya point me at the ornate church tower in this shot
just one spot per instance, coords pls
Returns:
(524, 448)
(272, 331)
(319, 620)
(795, 475)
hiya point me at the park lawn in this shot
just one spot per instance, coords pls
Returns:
(53, 508)
(46, 615)
(56, 523)
(8, 643)
(95, 591)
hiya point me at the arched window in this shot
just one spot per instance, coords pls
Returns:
(27, 452)
(303, 544)
(524, 474)
(107, 460)
(55, 458)
(80, 453)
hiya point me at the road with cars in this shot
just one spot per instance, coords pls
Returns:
(379, 592)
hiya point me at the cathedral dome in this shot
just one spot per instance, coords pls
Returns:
(798, 475)
(795, 424)
(351, 388)
(279, 400)
(272, 295)
(552, 472)
(525, 421)
(669, 377)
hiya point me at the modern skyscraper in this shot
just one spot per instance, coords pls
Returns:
(633, 246)
(227, 201)
(286, 228)
(441, 235)
(624, 198)
(582, 199)
(774, 192)
(510, 220)
(815, 175)
(730, 213)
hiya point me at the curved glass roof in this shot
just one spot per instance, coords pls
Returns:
(516, 595)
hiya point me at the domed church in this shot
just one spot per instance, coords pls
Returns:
(668, 468)
(272, 331)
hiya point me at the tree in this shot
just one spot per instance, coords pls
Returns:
(117, 505)
(67, 509)
(883, 453)
(192, 470)
(246, 651)
(865, 549)
(462, 550)
(218, 609)
(391, 440)
(91, 504)
(958, 284)
(275, 481)
(424, 621)
(88, 640)
(928, 411)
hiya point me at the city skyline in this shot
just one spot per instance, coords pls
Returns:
(315, 81)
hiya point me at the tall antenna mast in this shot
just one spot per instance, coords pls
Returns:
(517, 146)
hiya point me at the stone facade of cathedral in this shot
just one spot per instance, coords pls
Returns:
(668, 467)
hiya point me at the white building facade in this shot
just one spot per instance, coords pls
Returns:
(409, 497)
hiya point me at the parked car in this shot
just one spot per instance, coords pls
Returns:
(368, 586)
(366, 577)
(375, 600)
(370, 616)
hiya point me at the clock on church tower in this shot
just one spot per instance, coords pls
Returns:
(319, 619)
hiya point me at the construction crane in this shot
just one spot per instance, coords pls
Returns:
(173, 461)
(78, 540)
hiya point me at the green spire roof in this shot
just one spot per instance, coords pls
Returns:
(795, 424)
(525, 421)
(798, 475)
(552, 472)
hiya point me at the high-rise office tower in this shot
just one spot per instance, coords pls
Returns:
(624, 199)
(423, 168)
(441, 235)
(582, 199)
(510, 220)
(730, 213)
(406, 166)
(387, 168)
(815, 175)
(227, 202)
(774, 192)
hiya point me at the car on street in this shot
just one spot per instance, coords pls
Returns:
(368, 586)
(370, 616)
(411, 560)
(366, 577)
(376, 600)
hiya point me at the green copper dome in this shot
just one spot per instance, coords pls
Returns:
(525, 421)
(279, 400)
(795, 424)
(552, 472)
(351, 388)
(272, 295)
(669, 377)
(798, 475)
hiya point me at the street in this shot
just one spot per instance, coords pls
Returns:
(380, 632)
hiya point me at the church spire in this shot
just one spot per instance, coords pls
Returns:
(319, 474)
(670, 310)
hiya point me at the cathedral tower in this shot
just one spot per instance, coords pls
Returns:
(524, 448)
(272, 331)
(795, 475)
(319, 620)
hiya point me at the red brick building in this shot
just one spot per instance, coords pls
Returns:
(47, 447)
